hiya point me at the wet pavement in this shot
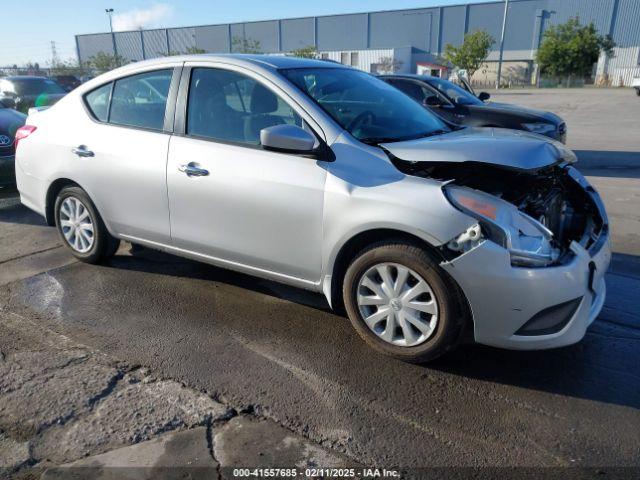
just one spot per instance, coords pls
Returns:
(279, 352)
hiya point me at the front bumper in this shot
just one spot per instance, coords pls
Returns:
(7, 172)
(504, 298)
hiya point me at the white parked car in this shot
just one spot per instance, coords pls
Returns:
(636, 84)
(327, 178)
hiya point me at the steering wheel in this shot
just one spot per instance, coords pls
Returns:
(365, 118)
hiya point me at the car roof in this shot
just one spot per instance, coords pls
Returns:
(411, 76)
(271, 62)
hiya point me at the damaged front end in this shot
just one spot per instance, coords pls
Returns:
(535, 214)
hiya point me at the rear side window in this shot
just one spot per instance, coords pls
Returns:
(140, 100)
(98, 102)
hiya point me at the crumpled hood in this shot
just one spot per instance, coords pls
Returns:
(496, 146)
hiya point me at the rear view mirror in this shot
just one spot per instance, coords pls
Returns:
(287, 138)
(484, 96)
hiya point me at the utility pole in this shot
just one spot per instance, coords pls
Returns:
(504, 28)
(54, 54)
(109, 12)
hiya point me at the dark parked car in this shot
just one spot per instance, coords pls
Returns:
(10, 121)
(68, 82)
(27, 91)
(461, 107)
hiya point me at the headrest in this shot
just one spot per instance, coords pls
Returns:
(263, 100)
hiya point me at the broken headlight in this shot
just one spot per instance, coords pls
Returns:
(529, 243)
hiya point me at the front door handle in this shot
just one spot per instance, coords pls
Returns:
(193, 170)
(82, 151)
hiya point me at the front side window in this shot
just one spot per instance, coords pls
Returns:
(414, 90)
(232, 107)
(368, 108)
(140, 100)
(457, 94)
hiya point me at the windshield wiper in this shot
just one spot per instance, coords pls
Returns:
(439, 131)
(378, 140)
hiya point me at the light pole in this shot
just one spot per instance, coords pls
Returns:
(504, 28)
(109, 12)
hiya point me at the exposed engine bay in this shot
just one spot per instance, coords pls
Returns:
(549, 195)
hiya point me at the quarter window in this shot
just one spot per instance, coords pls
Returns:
(229, 106)
(98, 102)
(140, 100)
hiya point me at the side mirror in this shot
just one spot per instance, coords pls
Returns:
(484, 96)
(432, 101)
(287, 138)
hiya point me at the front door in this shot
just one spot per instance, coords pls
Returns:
(231, 200)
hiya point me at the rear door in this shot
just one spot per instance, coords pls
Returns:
(121, 153)
(230, 199)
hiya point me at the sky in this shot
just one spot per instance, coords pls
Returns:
(29, 27)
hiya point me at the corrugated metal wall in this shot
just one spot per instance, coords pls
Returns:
(427, 29)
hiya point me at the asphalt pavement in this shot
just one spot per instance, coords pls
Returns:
(280, 353)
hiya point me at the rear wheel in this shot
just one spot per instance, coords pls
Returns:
(82, 228)
(402, 303)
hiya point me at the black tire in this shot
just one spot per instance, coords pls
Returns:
(452, 311)
(104, 244)
(638, 91)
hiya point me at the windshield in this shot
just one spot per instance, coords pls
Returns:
(36, 86)
(455, 93)
(368, 108)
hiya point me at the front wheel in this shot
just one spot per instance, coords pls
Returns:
(638, 91)
(402, 303)
(82, 228)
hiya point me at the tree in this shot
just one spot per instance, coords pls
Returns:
(245, 45)
(305, 52)
(189, 51)
(195, 51)
(389, 65)
(472, 53)
(104, 61)
(68, 67)
(571, 49)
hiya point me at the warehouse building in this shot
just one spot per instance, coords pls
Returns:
(402, 40)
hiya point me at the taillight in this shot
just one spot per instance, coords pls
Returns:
(23, 132)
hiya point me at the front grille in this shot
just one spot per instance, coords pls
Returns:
(8, 151)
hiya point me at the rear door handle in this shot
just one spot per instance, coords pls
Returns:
(82, 151)
(193, 170)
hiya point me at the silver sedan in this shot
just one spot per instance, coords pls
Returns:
(326, 178)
